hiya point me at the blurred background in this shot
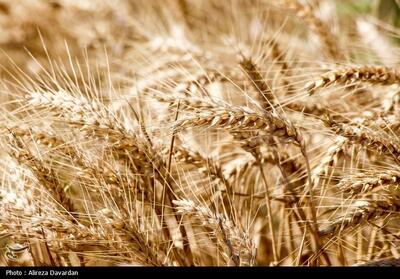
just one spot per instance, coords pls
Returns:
(85, 28)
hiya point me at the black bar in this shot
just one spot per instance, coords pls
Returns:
(117, 272)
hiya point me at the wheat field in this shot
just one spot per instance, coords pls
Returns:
(199, 133)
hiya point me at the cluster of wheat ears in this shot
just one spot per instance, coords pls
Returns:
(192, 133)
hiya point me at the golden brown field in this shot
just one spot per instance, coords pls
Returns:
(199, 133)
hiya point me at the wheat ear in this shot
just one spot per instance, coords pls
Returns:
(363, 211)
(370, 74)
(241, 247)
